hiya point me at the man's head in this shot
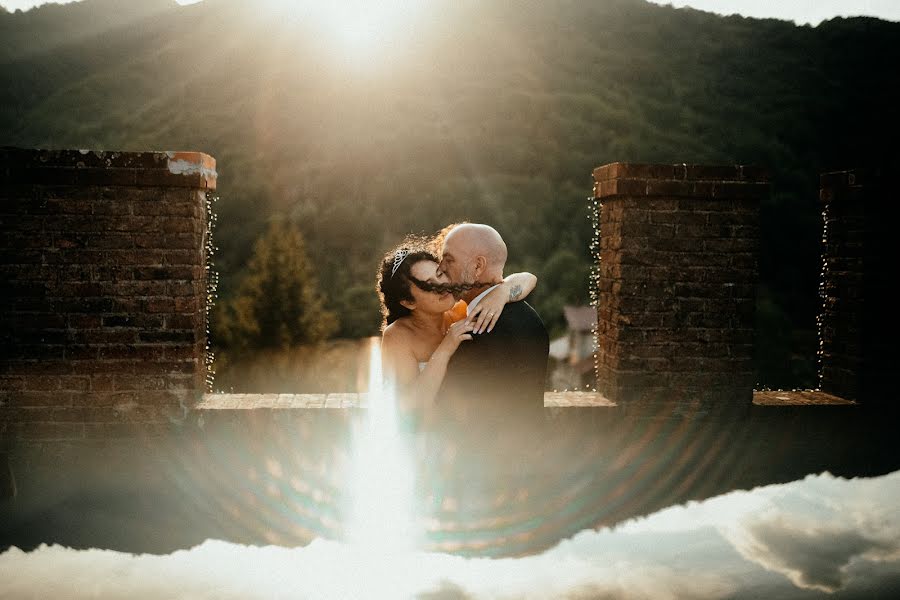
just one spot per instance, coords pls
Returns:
(471, 253)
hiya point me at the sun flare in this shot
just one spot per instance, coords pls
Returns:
(358, 29)
(381, 479)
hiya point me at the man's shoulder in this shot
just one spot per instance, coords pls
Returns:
(518, 314)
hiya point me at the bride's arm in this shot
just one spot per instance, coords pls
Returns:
(513, 288)
(399, 365)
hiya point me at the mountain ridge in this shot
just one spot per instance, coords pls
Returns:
(492, 111)
(58, 24)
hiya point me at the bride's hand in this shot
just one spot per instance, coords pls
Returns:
(456, 334)
(486, 314)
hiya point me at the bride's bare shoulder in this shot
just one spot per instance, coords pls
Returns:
(397, 332)
(396, 344)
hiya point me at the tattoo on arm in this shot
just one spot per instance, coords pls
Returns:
(515, 292)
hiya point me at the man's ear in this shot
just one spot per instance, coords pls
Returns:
(480, 266)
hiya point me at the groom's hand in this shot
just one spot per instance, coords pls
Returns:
(486, 314)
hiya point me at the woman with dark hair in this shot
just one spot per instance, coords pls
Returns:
(423, 324)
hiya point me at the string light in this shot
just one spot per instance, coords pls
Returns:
(823, 297)
(212, 286)
(595, 207)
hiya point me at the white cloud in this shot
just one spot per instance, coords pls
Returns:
(821, 534)
(814, 533)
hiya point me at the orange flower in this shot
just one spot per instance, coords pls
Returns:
(457, 313)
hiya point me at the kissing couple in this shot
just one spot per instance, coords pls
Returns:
(458, 339)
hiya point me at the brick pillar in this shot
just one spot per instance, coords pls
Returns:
(102, 321)
(858, 325)
(677, 284)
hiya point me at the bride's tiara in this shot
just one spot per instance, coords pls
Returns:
(401, 254)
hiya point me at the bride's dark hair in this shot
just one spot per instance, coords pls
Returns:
(393, 286)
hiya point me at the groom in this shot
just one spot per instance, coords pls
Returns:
(501, 372)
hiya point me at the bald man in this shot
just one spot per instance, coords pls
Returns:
(501, 372)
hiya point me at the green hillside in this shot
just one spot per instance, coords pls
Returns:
(486, 111)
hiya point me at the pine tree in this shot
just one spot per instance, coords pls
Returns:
(277, 304)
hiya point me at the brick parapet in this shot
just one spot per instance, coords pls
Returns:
(857, 326)
(680, 181)
(100, 168)
(103, 311)
(677, 281)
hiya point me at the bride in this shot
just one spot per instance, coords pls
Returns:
(423, 324)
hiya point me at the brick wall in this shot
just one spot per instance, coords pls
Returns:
(102, 323)
(677, 283)
(857, 327)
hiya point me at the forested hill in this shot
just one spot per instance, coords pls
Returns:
(490, 111)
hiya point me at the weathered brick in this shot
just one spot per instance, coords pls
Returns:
(187, 304)
(130, 352)
(112, 207)
(79, 289)
(182, 241)
(107, 431)
(102, 382)
(179, 353)
(159, 304)
(12, 383)
(140, 288)
(40, 352)
(133, 305)
(71, 206)
(102, 336)
(148, 240)
(103, 271)
(139, 257)
(179, 336)
(43, 383)
(109, 398)
(45, 431)
(111, 241)
(132, 320)
(38, 398)
(40, 321)
(183, 257)
(31, 304)
(141, 383)
(24, 238)
(669, 282)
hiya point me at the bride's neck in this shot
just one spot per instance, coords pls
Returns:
(426, 321)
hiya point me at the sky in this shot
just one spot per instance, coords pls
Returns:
(26, 4)
(802, 12)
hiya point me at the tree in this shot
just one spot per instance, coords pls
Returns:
(360, 311)
(277, 304)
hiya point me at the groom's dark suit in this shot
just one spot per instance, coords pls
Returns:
(501, 372)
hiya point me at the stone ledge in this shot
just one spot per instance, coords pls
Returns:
(352, 400)
(799, 398)
(109, 424)
(281, 401)
(551, 400)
